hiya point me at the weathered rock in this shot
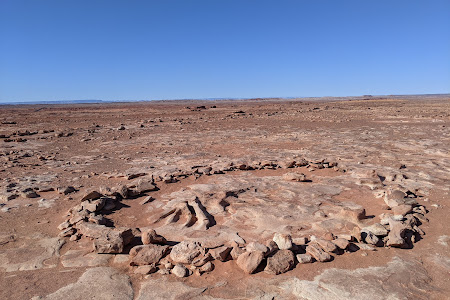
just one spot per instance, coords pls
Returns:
(280, 262)
(402, 209)
(202, 259)
(66, 190)
(396, 234)
(377, 229)
(317, 252)
(91, 196)
(249, 261)
(208, 267)
(341, 243)
(369, 238)
(186, 251)
(236, 251)
(326, 245)
(283, 241)
(293, 176)
(93, 205)
(113, 241)
(147, 254)
(149, 236)
(180, 271)
(220, 253)
(304, 258)
(97, 283)
(254, 246)
(144, 270)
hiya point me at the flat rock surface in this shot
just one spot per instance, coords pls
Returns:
(358, 152)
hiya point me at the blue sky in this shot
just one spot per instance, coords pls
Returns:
(111, 50)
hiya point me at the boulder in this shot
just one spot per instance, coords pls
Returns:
(249, 261)
(326, 245)
(280, 262)
(147, 254)
(283, 241)
(186, 251)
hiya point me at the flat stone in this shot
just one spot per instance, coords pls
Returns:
(144, 270)
(147, 254)
(102, 283)
(317, 252)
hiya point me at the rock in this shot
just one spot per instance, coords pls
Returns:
(283, 241)
(341, 243)
(29, 193)
(64, 225)
(317, 252)
(96, 283)
(150, 236)
(180, 271)
(377, 229)
(220, 253)
(236, 251)
(66, 190)
(146, 200)
(292, 176)
(300, 241)
(281, 262)
(396, 197)
(249, 261)
(326, 245)
(304, 258)
(366, 247)
(272, 247)
(402, 209)
(91, 196)
(208, 267)
(396, 234)
(144, 186)
(113, 241)
(147, 254)
(369, 238)
(144, 270)
(254, 246)
(353, 212)
(186, 251)
(93, 205)
(202, 259)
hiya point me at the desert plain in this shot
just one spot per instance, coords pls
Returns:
(331, 198)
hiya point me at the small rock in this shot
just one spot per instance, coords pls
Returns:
(91, 196)
(180, 271)
(144, 270)
(254, 246)
(369, 238)
(292, 176)
(283, 241)
(341, 243)
(150, 236)
(208, 267)
(304, 258)
(220, 253)
(147, 254)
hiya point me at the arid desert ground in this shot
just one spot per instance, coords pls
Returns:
(228, 199)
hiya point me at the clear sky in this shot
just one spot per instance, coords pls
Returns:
(111, 50)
